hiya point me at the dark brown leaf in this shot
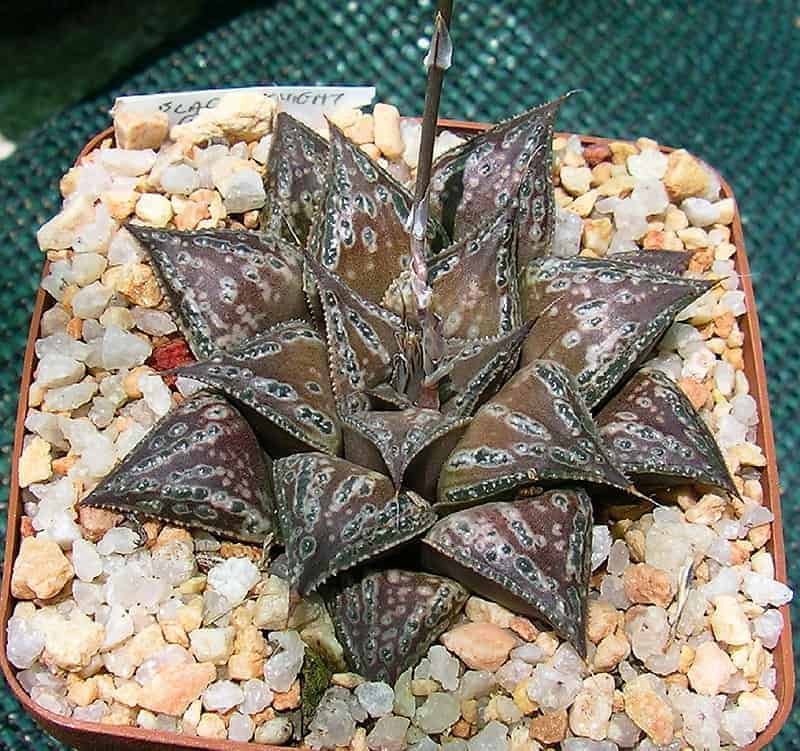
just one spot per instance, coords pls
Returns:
(531, 555)
(280, 379)
(669, 261)
(474, 282)
(335, 515)
(200, 466)
(537, 430)
(658, 437)
(387, 620)
(391, 442)
(295, 181)
(361, 233)
(599, 318)
(364, 340)
(507, 166)
(225, 285)
(476, 369)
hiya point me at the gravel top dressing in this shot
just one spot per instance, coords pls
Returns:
(646, 620)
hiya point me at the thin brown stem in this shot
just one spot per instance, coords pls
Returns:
(433, 94)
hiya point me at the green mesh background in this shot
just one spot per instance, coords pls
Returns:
(716, 77)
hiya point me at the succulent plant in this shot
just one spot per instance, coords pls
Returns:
(403, 423)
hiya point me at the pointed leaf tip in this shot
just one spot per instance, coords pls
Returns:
(531, 555)
(295, 182)
(387, 620)
(507, 166)
(535, 431)
(335, 515)
(659, 438)
(599, 318)
(200, 466)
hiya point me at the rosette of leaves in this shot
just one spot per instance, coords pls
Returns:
(399, 457)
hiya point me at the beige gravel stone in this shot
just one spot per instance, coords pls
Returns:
(647, 585)
(246, 665)
(345, 117)
(173, 688)
(685, 176)
(728, 621)
(761, 704)
(602, 619)
(240, 116)
(388, 137)
(651, 712)
(710, 670)
(612, 650)
(272, 605)
(119, 714)
(128, 693)
(483, 611)
(520, 695)
(191, 717)
(549, 728)
(83, 693)
(482, 646)
(213, 645)
(148, 642)
(211, 726)
(621, 150)
(347, 680)
(154, 209)
(576, 180)
(707, 510)
(41, 570)
(61, 231)
(290, 699)
(70, 644)
(120, 203)
(35, 462)
(139, 284)
(591, 711)
(597, 234)
(140, 130)
(95, 522)
(192, 213)
(726, 208)
(362, 130)
(583, 205)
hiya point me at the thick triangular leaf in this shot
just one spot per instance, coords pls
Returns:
(658, 437)
(531, 555)
(668, 261)
(387, 620)
(200, 466)
(474, 282)
(361, 233)
(295, 180)
(536, 431)
(335, 515)
(599, 318)
(225, 285)
(280, 380)
(508, 165)
(364, 340)
(413, 442)
(477, 368)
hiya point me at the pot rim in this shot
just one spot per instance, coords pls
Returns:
(92, 734)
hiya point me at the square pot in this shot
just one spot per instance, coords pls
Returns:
(86, 735)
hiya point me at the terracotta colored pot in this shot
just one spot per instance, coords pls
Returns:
(87, 735)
